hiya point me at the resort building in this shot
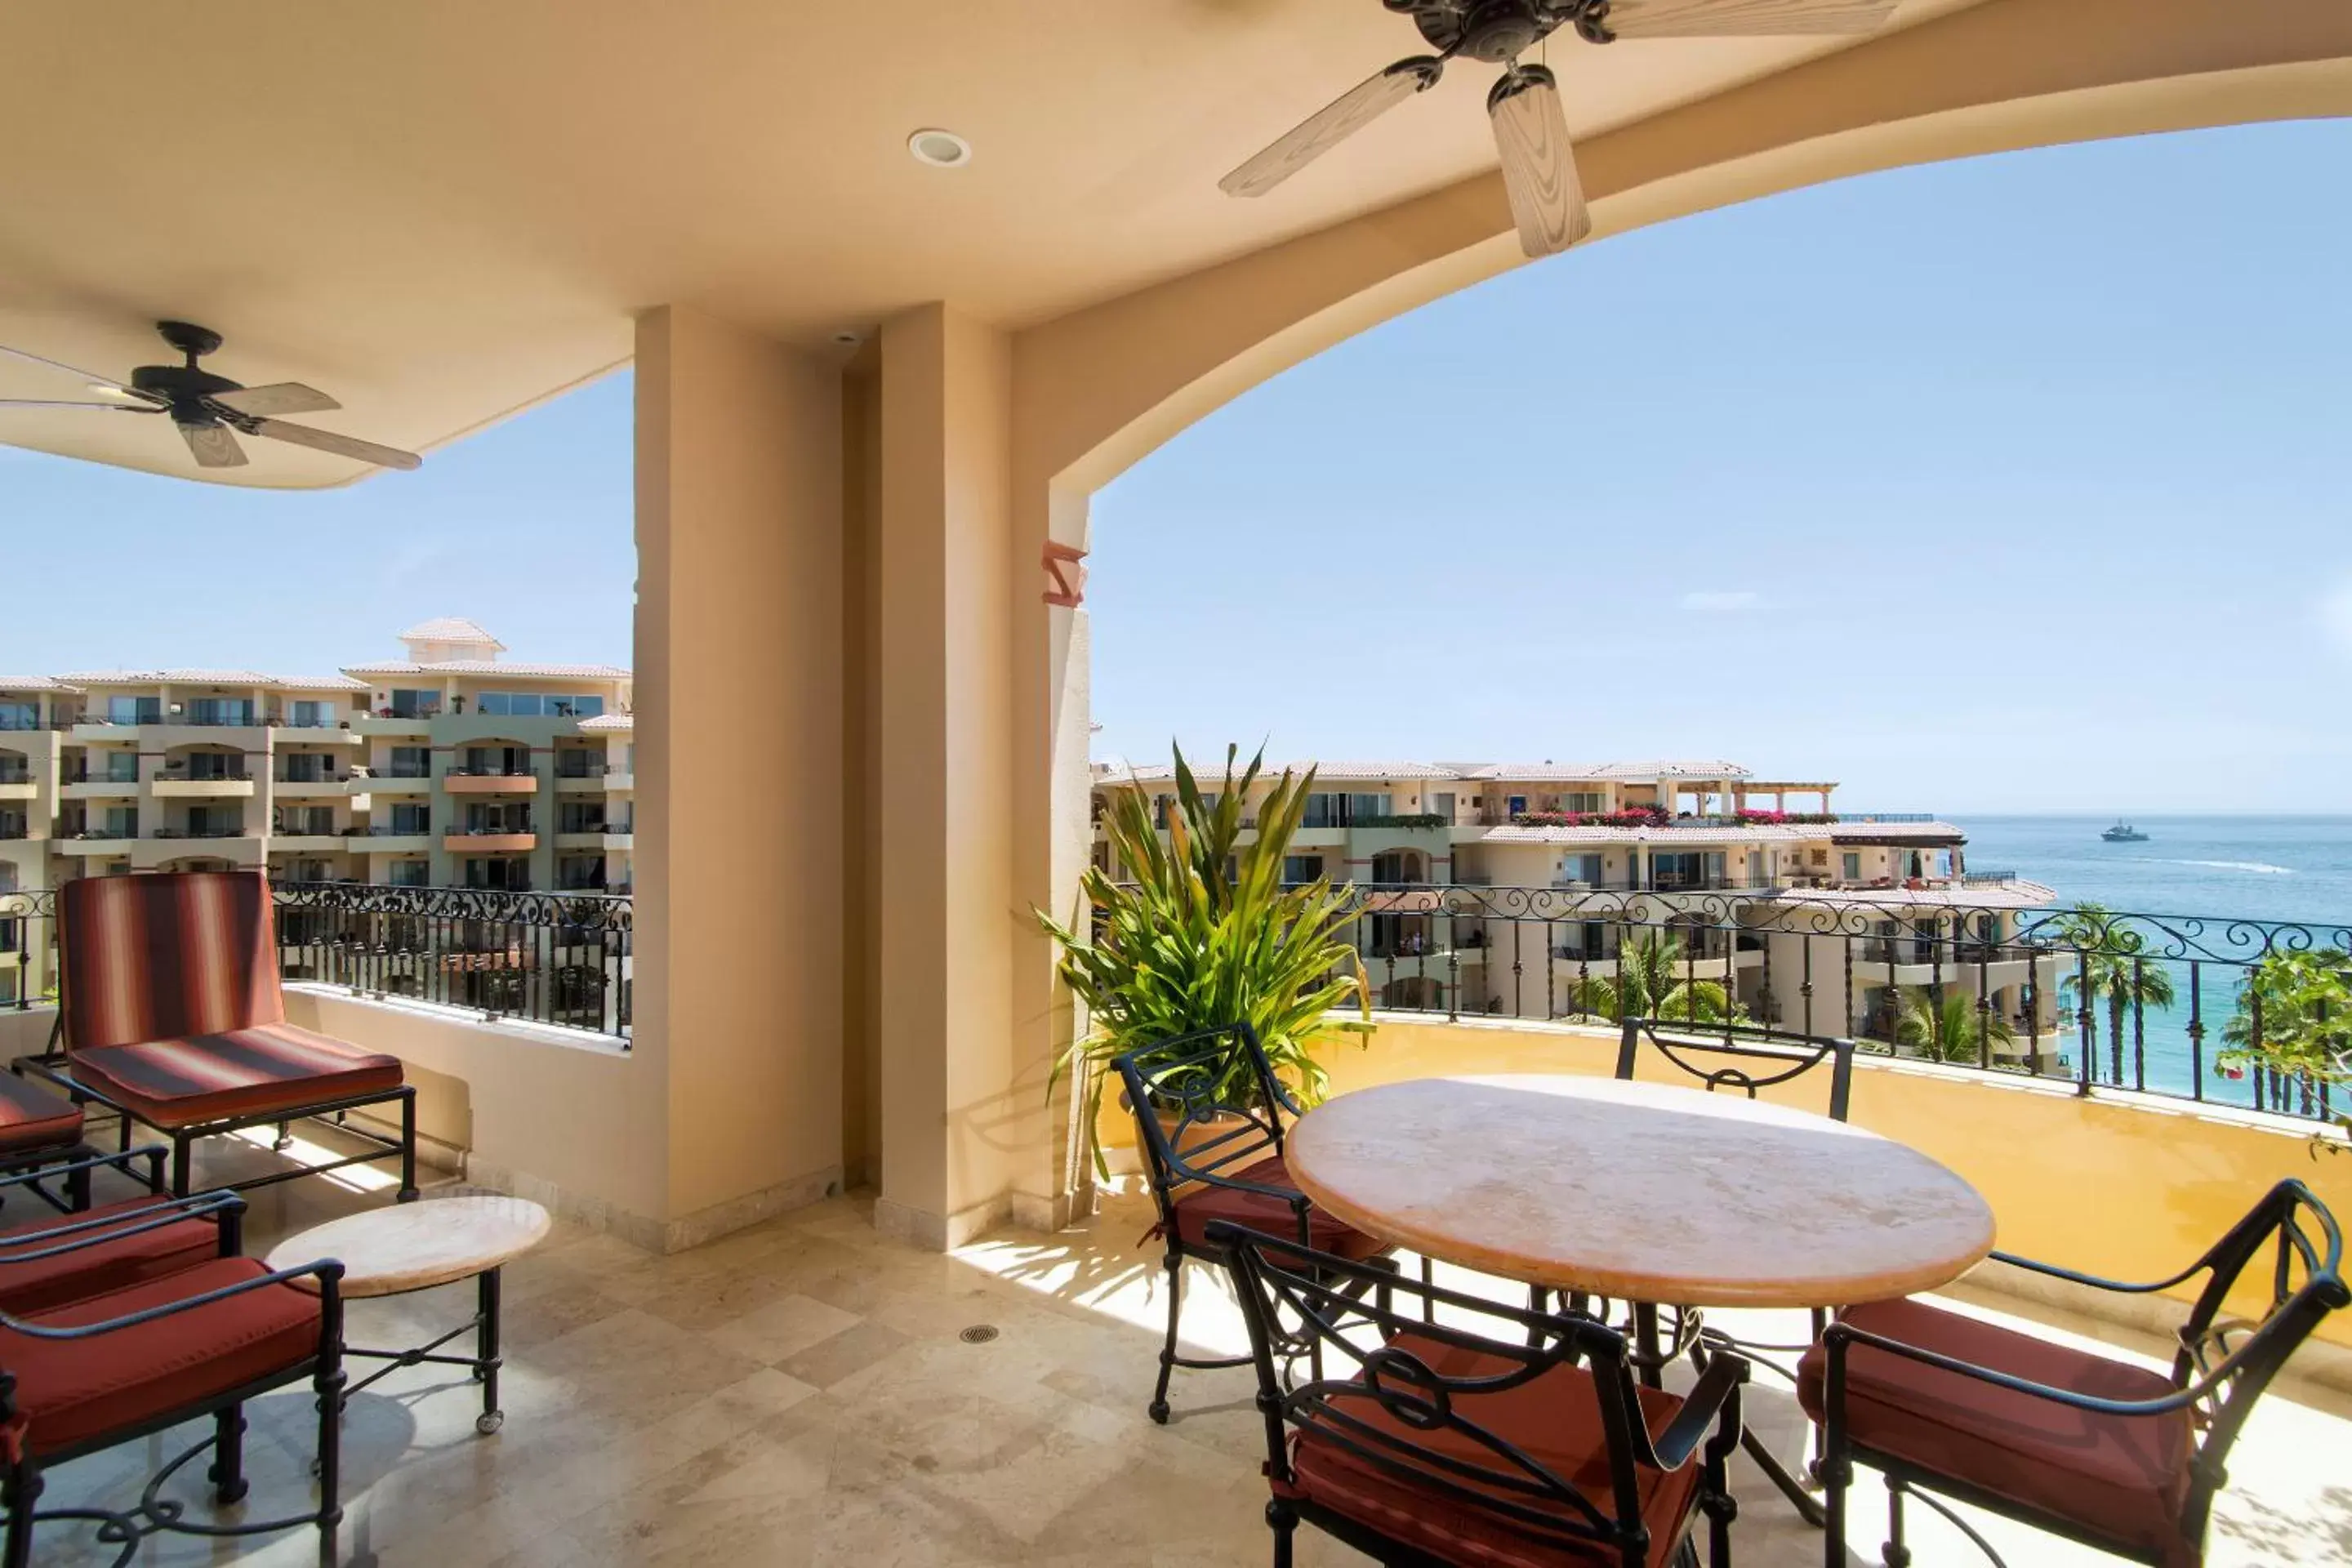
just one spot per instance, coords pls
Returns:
(450, 768)
(1549, 869)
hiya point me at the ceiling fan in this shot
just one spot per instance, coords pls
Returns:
(1530, 130)
(209, 409)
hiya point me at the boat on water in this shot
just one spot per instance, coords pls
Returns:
(2124, 833)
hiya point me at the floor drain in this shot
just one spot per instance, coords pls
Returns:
(978, 1334)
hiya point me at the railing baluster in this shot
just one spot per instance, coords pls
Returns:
(2196, 1030)
(2140, 1024)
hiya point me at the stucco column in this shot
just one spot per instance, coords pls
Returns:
(738, 962)
(952, 1115)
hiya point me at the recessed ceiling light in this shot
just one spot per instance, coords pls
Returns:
(847, 339)
(940, 149)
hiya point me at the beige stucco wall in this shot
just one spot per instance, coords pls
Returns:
(738, 1003)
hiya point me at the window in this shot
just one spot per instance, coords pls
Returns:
(219, 710)
(509, 761)
(580, 873)
(415, 704)
(313, 715)
(497, 816)
(20, 715)
(411, 817)
(306, 767)
(121, 822)
(581, 817)
(406, 873)
(1324, 811)
(215, 765)
(412, 763)
(1518, 806)
(510, 876)
(1301, 867)
(1580, 868)
(533, 705)
(576, 707)
(1360, 806)
(1852, 866)
(307, 871)
(577, 763)
(135, 710)
(313, 821)
(1583, 801)
(1441, 805)
(121, 767)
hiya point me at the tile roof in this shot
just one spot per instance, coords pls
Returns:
(1156, 772)
(1728, 833)
(35, 683)
(609, 722)
(214, 678)
(2018, 895)
(1630, 772)
(450, 628)
(494, 666)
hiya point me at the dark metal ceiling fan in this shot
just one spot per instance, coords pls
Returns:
(211, 410)
(1530, 130)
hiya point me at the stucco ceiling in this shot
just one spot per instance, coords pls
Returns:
(441, 211)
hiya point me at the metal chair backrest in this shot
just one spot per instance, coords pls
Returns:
(165, 955)
(2232, 1361)
(1223, 1103)
(1750, 1058)
(1294, 1300)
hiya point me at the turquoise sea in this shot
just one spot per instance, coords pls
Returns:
(2270, 868)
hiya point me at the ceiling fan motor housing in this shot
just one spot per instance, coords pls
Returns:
(184, 385)
(1492, 30)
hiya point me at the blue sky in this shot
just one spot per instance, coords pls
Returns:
(2021, 483)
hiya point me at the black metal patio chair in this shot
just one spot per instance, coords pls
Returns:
(1455, 1429)
(2100, 1451)
(1208, 1160)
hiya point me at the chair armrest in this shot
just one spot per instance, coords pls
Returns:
(1711, 1403)
(1181, 1172)
(1841, 1335)
(2118, 1285)
(81, 1231)
(120, 1161)
(328, 1272)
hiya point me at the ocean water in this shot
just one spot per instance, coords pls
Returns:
(2223, 868)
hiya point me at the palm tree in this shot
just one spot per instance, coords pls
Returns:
(1952, 1030)
(1651, 982)
(2114, 965)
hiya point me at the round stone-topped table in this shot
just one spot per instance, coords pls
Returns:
(415, 1246)
(1639, 1191)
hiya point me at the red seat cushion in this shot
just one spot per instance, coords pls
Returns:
(267, 1068)
(1270, 1216)
(2121, 1478)
(109, 1262)
(33, 1118)
(1554, 1419)
(71, 1391)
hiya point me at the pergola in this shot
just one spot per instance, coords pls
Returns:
(873, 399)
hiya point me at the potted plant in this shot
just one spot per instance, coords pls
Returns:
(1198, 932)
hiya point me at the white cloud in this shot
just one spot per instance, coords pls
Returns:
(2335, 617)
(1725, 604)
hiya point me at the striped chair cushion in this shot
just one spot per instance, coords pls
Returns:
(268, 1068)
(32, 1118)
(167, 956)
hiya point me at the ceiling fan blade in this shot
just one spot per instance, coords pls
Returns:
(1538, 165)
(279, 397)
(1332, 124)
(91, 377)
(214, 445)
(67, 402)
(1740, 19)
(340, 445)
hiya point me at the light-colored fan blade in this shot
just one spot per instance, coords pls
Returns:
(214, 445)
(1742, 18)
(1330, 125)
(1538, 165)
(94, 380)
(67, 402)
(279, 397)
(341, 446)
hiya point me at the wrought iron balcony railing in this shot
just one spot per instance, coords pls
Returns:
(555, 958)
